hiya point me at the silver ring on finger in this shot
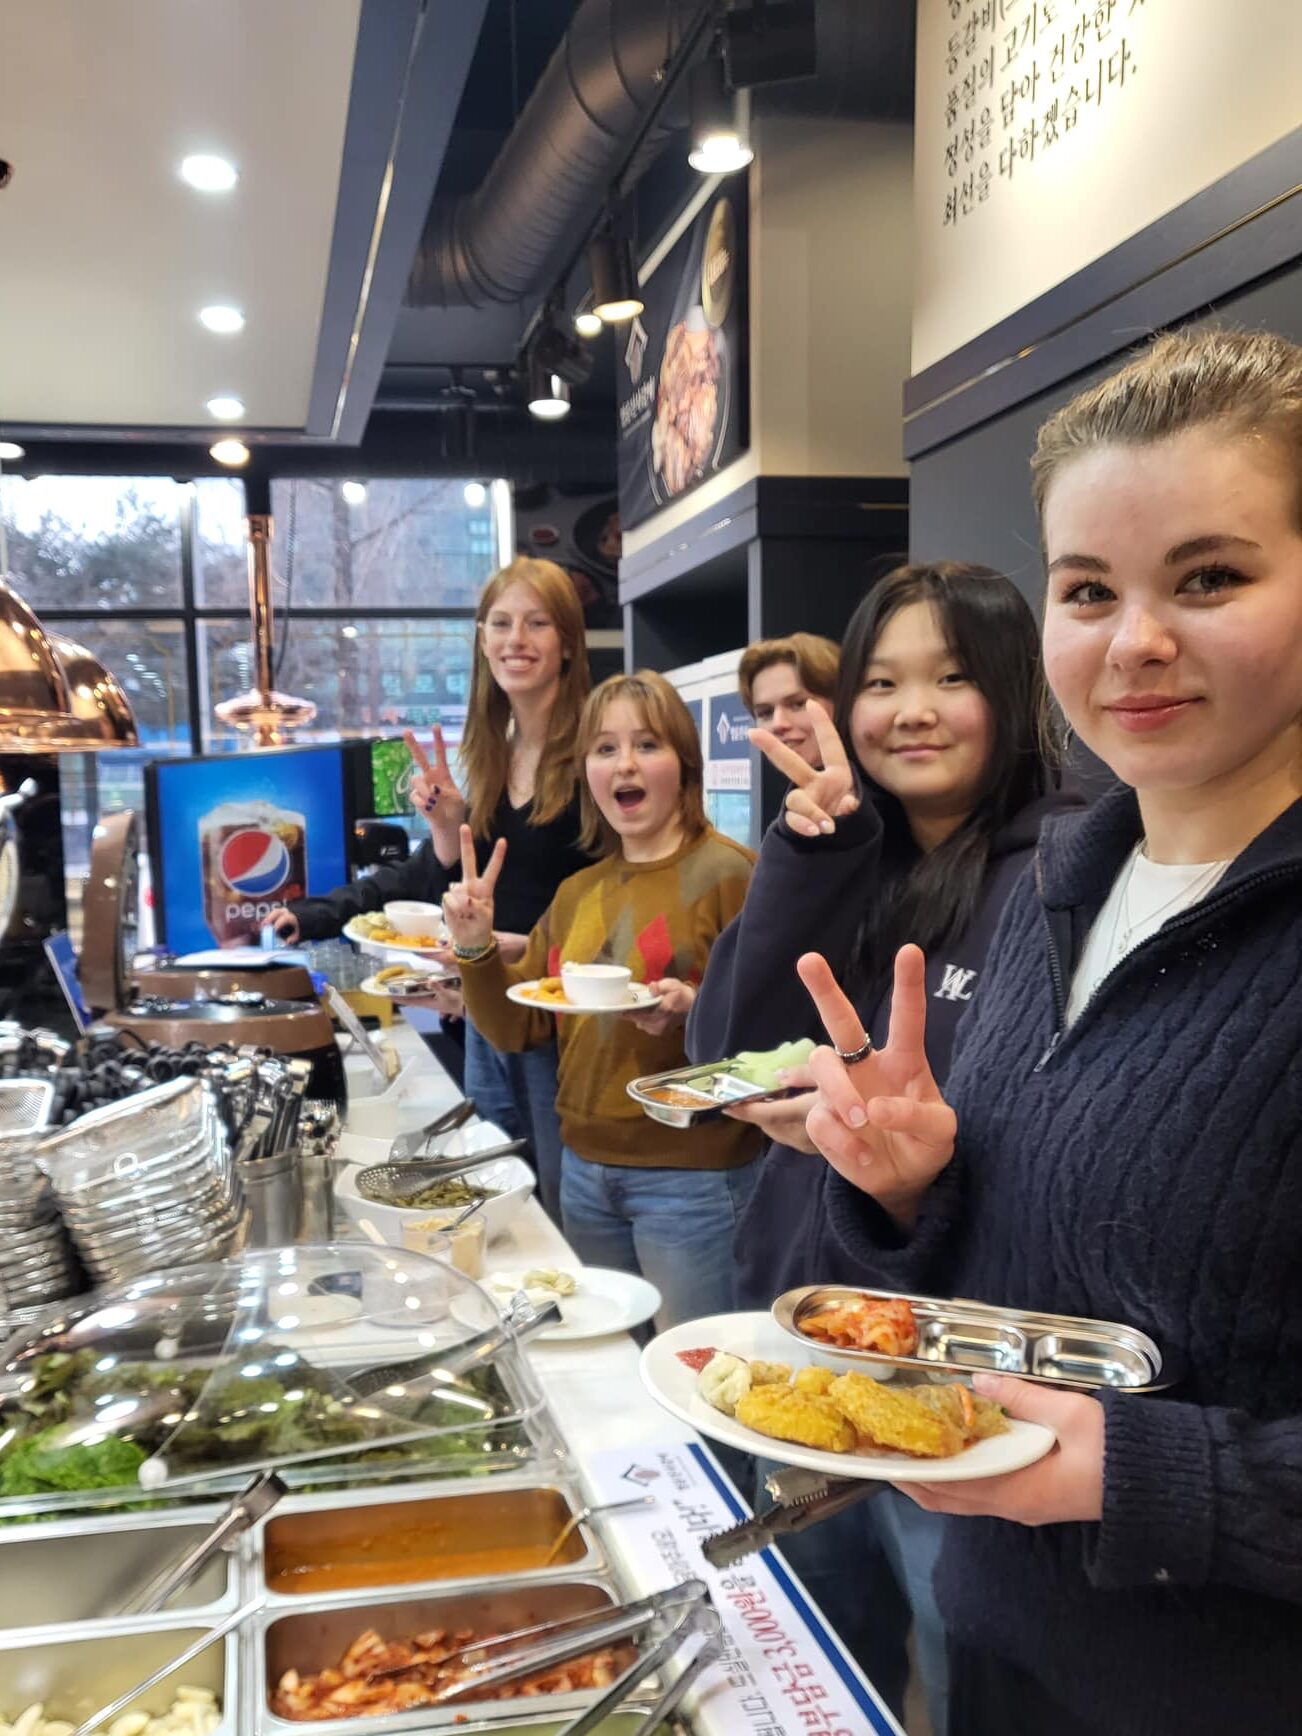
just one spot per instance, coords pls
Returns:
(851, 1056)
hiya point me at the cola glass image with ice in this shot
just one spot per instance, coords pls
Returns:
(254, 859)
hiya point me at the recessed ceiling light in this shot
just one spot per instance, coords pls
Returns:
(476, 494)
(220, 318)
(589, 324)
(229, 452)
(348, 632)
(209, 174)
(10, 449)
(226, 409)
(354, 492)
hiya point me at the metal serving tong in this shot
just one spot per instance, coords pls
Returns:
(413, 1144)
(668, 1618)
(451, 1363)
(250, 1505)
(800, 1499)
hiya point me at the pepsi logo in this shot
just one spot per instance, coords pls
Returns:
(254, 862)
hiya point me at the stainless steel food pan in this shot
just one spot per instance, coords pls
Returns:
(458, 1537)
(50, 1577)
(316, 1639)
(963, 1337)
(73, 1678)
(713, 1087)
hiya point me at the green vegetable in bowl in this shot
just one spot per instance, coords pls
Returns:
(762, 1066)
(449, 1193)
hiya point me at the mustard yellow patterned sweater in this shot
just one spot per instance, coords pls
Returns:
(660, 919)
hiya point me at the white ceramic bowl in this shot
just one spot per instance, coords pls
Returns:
(409, 916)
(596, 985)
(510, 1180)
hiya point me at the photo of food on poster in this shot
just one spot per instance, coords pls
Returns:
(580, 531)
(681, 367)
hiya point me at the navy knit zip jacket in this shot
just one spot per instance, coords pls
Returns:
(809, 895)
(1143, 1166)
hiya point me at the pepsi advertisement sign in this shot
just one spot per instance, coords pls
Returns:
(233, 837)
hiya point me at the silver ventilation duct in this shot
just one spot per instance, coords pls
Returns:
(552, 176)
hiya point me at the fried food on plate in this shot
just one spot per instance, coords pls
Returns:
(547, 991)
(979, 1418)
(769, 1373)
(884, 1324)
(814, 1381)
(896, 1419)
(785, 1414)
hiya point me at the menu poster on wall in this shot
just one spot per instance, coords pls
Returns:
(681, 366)
(1050, 131)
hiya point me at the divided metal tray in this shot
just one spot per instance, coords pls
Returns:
(716, 1088)
(965, 1337)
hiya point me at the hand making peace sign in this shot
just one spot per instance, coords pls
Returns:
(434, 789)
(817, 799)
(880, 1122)
(468, 906)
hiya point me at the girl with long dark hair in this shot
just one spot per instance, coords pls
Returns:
(921, 829)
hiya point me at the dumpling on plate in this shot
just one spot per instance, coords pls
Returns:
(724, 1381)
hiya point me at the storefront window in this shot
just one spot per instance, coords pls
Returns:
(366, 677)
(383, 544)
(94, 542)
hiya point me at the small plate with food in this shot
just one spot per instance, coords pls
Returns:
(593, 1300)
(376, 932)
(405, 982)
(737, 1379)
(561, 994)
(690, 1094)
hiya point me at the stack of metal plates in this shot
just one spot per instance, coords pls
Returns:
(37, 1264)
(147, 1183)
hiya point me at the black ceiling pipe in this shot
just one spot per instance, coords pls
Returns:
(553, 173)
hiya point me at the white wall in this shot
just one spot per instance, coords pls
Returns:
(831, 296)
(1170, 96)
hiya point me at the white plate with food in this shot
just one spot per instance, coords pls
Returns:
(934, 1420)
(593, 1300)
(404, 982)
(375, 935)
(548, 994)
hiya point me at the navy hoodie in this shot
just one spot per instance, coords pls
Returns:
(1144, 1166)
(809, 895)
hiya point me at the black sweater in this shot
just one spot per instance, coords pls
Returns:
(809, 895)
(538, 858)
(1145, 1167)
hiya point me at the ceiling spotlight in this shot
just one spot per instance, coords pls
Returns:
(720, 122)
(353, 492)
(209, 174)
(475, 494)
(348, 632)
(232, 452)
(221, 319)
(587, 322)
(615, 293)
(10, 449)
(549, 394)
(226, 408)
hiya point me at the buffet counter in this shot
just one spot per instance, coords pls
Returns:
(784, 1670)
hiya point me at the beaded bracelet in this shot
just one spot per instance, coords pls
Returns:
(473, 954)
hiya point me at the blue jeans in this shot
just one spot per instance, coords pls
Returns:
(518, 1092)
(673, 1226)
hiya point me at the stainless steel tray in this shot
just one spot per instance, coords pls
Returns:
(716, 1087)
(73, 1677)
(52, 1576)
(461, 1520)
(316, 1639)
(964, 1337)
